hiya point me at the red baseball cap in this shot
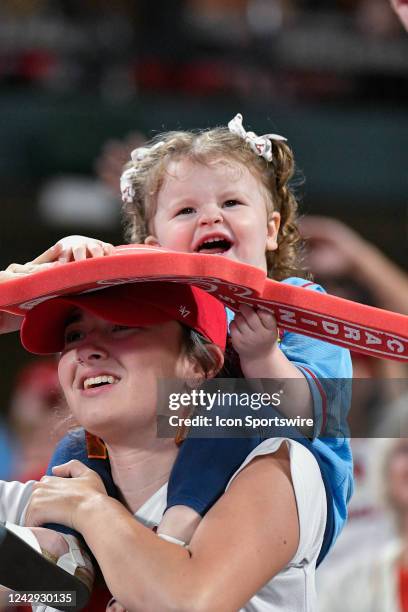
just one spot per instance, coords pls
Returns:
(141, 303)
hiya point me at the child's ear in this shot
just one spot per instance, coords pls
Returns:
(152, 241)
(272, 231)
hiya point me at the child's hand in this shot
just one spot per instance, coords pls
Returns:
(71, 248)
(254, 336)
(77, 248)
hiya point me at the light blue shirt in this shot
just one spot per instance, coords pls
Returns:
(328, 370)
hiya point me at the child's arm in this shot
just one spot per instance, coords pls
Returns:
(71, 248)
(254, 335)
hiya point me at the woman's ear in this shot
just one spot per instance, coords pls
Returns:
(192, 371)
(273, 225)
(152, 241)
(218, 359)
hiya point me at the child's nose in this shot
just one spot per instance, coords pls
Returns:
(211, 214)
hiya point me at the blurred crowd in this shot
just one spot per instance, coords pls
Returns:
(289, 48)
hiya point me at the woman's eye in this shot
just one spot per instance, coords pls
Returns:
(118, 329)
(73, 335)
(188, 210)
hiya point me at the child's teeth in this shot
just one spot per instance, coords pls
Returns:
(98, 380)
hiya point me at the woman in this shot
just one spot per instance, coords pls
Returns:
(257, 547)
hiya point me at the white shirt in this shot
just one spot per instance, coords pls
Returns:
(293, 588)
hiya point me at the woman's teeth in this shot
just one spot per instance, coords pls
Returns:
(95, 381)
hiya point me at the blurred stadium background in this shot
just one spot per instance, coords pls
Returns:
(330, 75)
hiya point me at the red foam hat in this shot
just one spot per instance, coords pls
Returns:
(368, 330)
(139, 304)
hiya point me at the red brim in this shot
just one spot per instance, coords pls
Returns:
(42, 331)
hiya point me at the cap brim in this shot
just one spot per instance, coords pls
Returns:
(43, 328)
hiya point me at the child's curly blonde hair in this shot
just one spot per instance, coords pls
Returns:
(147, 175)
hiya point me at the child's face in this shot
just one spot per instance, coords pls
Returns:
(218, 208)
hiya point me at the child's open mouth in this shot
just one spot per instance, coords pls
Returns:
(214, 246)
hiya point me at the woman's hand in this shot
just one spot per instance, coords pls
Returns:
(63, 498)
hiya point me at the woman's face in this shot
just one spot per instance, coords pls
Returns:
(398, 475)
(109, 373)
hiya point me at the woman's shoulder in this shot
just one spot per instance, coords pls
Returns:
(305, 478)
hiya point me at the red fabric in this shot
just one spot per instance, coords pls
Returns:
(403, 588)
(368, 330)
(135, 304)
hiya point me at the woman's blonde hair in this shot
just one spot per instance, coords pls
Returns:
(148, 173)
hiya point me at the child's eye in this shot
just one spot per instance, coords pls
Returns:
(231, 203)
(188, 210)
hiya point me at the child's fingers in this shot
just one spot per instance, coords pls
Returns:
(108, 248)
(267, 319)
(50, 255)
(96, 249)
(250, 315)
(29, 268)
(240, 324)
(79, 252)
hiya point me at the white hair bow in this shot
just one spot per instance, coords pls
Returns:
(126, 180)
(126, 185)
(261, 145)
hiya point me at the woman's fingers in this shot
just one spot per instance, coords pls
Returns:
(72, 469)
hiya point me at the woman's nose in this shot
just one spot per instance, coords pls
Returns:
(211, 214)
(91, 351)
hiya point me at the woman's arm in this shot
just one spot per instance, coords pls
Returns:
(246, 538)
